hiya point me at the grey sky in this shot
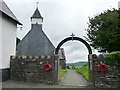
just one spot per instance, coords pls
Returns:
(61, 18)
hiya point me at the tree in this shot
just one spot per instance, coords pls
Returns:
(68, 67)
(103, 31)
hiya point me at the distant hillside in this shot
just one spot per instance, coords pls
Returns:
(77, 64)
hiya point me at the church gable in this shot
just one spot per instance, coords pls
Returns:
(35, 43)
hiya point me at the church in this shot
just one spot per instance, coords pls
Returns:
(37, 53)
(36, 42)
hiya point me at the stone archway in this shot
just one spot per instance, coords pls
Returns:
(90, 66)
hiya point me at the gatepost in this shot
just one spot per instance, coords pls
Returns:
(56, 69)
(94, 58)
(90, 69)
(91, 66)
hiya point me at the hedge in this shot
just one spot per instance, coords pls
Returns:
(113, 58)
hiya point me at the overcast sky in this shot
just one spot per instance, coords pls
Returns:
(61, 19)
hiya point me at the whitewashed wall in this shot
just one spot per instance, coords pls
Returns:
(8, 41)
(0, 41)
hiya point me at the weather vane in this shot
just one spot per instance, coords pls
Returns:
(72, 36)
(37, 4)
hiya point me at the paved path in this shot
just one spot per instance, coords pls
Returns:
(21, 84)
(72, 78)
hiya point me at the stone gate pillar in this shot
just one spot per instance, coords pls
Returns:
(91, 68)
(56, 69)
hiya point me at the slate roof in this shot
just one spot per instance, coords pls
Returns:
(37, 14)
(35, 43)
(5, 10)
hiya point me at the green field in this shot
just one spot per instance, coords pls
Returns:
(84, 71)
(62, 73)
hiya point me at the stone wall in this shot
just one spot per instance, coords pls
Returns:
(109, 79)
(31, 69)
(62, 63)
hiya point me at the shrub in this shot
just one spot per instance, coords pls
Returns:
(85, 65)
(113, 58)
(68, 67)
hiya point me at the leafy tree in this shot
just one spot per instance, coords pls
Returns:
(103, 31)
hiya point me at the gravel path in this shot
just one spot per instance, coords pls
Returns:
(72, 78)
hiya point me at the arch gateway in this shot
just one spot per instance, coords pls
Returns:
(90, 59)
(73, 38)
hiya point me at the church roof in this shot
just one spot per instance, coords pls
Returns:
(5, 10)
(35, 43)
(37, 14)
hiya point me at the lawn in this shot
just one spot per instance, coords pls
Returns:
(84, 71)
(62, 73)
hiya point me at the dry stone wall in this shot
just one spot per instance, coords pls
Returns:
(31, 69)
(109, 79)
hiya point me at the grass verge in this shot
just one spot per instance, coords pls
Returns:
(62, 73)
(84, 71)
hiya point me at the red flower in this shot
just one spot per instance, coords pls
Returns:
(103, 68)
(47, 67)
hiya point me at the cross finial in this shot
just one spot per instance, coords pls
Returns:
(72, 36)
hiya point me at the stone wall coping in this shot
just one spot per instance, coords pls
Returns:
(32, 57)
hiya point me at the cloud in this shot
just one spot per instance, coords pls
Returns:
(75, 51)
(61, 19)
